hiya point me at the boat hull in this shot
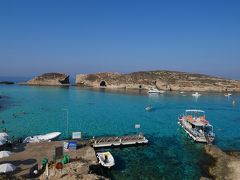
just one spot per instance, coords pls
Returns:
(106, 159)
(200, 139)
(42, 138)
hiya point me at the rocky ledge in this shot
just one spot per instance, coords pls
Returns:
(164, 80)
(227, 166)
(49, 79)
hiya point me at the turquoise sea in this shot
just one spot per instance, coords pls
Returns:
(171, 154)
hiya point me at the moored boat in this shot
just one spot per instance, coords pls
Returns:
(148, 108)
(106, 159)
(155, 91)
(41, 138)
(196, 94)
(228, 94)
(196, 126)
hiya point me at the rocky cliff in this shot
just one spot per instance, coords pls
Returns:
(164, 80)
(50, 79)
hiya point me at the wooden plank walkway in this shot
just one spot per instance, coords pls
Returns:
(119, 141)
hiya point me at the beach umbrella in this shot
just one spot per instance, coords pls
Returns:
(3, 138)
(3, 134)
(5, 168)
(2, 142)
(5, 154)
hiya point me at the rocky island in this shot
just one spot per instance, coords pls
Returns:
(49, 79)
(164, 80)
(7, 82)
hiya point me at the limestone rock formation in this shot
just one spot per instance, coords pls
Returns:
(164, 80)
(227, 166)
(50, 79)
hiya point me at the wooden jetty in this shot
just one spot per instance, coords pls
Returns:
(119, 141)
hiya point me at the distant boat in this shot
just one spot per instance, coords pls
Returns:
(41, 138)
(106, 159)
(148, 108)
(155, 91)
(228, 94)
(196, 126)
(196, 94)
(181, 92)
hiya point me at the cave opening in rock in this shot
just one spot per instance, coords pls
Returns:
(103, 84)
(140, 86)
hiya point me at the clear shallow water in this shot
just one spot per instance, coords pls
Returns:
(29, 110)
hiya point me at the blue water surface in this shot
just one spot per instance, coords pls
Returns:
(171, 154)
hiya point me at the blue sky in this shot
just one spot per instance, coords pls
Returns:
(90, 36)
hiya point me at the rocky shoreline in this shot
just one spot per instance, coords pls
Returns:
(143, 80)
(164, 80)
(226, 166)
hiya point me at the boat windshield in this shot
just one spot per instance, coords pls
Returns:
(208, 129)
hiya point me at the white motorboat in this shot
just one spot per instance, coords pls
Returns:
(106, 159)
(196, 126)
(148, 108)
(41, 138)
(196, 94)
(228, 94)
(155, 91)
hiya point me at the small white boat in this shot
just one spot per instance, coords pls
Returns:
(41, 138)
(196, 126)
(106, 159)
(155, 91)
(228, 94)
(196, 94)
(148, 108)
(181, 92)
